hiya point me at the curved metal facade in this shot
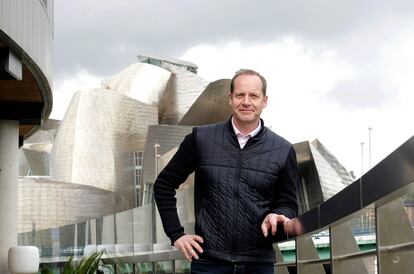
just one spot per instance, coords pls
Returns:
(103, 131)
(182, 91)
(47, 203)
(97, 138)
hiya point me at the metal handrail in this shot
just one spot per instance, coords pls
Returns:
(390, 179)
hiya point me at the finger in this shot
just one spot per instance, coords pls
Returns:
(281, 219)
(185, 253)
(265, 227)
(197, 246)
(190, 251)
(273, 224)
(193, 254)
(198, 239)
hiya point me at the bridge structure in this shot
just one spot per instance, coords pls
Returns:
(325, 238)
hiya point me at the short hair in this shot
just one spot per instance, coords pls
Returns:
(248, 72)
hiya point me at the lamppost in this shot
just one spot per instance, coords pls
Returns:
(157, 156)
(154, 213)
(369, 147)
(362, 159)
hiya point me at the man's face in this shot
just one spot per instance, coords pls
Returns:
(247, 99)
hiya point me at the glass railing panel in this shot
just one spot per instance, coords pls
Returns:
(54, 268)
(182, 267)
(364, 223)
(25, 238)
(107, 269)
(66, 240)
(165, 267)
(37, 240)
(105, 234)
(142, 229)
(55, 239)
(125, 268)
(144, 268)
(185, 207)
(161, 241)
(80, 239)
(124, 228)
(46, 242)
(90, 237)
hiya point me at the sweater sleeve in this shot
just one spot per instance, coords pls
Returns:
(171, 177)
(286, 202)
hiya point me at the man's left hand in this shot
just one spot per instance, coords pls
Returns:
(271, 221)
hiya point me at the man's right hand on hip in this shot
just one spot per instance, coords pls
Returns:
(187, 243)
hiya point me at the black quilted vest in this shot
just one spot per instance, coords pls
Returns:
(234, 190)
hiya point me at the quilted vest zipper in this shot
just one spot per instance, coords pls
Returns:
(236, 185)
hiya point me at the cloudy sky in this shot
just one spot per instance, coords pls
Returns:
(334, 68)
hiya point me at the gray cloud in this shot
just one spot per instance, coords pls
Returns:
(365, 92)
(105, 36)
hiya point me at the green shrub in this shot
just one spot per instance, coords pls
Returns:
(87, 265)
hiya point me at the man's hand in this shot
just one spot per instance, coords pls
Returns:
(186, 245)
(271, 221)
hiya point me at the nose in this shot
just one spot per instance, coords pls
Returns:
(246, 100)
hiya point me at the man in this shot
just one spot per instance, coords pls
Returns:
(244, 187)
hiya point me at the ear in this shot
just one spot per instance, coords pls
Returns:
(265, 101)
(230, 99)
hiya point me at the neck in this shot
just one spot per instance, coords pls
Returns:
(247, 127)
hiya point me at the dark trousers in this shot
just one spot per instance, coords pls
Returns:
(218, 267)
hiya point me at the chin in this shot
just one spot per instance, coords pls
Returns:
(247, 119)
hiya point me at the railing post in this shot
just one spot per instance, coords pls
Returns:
(342, 243)
(394, 228)
(305, 250)
(279, 259)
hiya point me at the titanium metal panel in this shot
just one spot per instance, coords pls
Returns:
(340, 169)
(329, 175)
(47, 203)
(211, 106)
(143, 82)
(34, 155)
(96, 141)
(182, 91)
(37, 157)
(46, 133)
